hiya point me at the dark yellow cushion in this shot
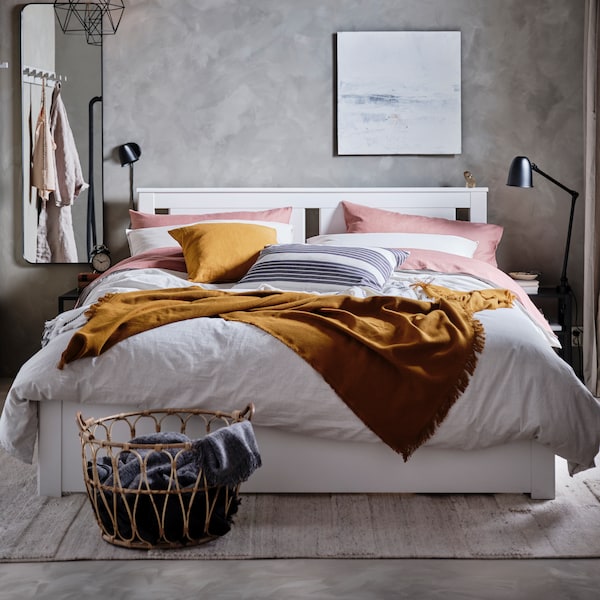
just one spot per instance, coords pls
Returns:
(221, 252)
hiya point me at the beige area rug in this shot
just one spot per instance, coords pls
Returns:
(35, 528)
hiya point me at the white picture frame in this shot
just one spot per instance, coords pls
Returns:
(399, 92)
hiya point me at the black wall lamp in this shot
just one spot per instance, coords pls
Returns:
(128, 154)
(94, 19)
(520, 175)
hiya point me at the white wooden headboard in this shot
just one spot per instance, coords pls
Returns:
(432, 202)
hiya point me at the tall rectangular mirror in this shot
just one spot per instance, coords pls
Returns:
(61, 81)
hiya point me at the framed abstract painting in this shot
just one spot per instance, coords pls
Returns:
(399, 92)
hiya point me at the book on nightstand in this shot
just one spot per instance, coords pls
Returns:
(531, 287)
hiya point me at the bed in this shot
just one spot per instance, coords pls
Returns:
(522, 406)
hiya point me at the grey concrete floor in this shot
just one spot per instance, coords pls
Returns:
(296, 579)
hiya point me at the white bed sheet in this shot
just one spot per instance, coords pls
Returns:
(521, 388)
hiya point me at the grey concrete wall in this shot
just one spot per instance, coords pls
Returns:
(241, 93)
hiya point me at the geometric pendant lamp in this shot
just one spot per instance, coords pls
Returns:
(94, 19)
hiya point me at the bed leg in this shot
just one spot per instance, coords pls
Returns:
(543, 483)
(49, 451)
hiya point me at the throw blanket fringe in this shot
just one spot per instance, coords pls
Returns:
(399, 364)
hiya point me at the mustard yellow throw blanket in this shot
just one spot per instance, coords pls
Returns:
(399, 364)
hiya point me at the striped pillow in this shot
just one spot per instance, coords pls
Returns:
(305, 267)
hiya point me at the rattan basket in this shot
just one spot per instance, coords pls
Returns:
(180, 513)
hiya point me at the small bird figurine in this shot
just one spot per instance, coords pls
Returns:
(471, 183)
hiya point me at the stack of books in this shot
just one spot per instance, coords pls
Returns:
(527, 280)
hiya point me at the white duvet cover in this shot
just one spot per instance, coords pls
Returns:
(521, 388)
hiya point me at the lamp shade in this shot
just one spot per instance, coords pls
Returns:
(129, 153)
(519, 174)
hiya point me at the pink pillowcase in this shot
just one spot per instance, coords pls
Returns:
(142, 220)
(364, 219)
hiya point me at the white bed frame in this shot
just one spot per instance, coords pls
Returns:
(295, 463)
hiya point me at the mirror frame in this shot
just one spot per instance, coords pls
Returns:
(86, 121)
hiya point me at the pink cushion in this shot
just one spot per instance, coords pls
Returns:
(142, 220)
(364, 219)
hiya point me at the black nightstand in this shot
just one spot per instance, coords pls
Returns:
(70, 296)
(557, 306)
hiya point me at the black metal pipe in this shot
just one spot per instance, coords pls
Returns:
(91, 207)
(564, 281)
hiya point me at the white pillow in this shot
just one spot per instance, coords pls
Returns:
(148, 238)
(452, 244)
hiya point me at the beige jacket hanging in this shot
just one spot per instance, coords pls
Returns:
(43, 164)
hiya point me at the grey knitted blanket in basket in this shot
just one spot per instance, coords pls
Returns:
(227, 456)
